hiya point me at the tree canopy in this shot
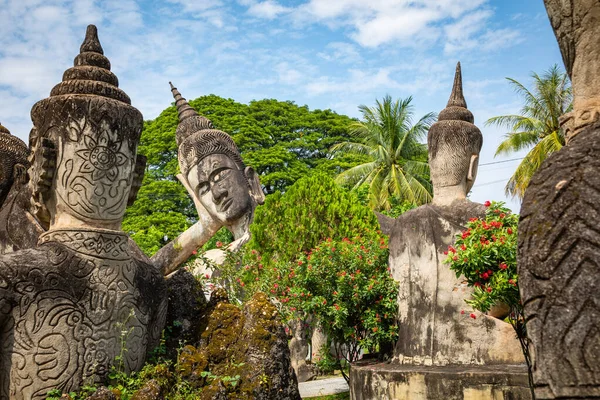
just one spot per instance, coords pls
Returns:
(279, 139)
(396, 165)
(537, 126)
(314, 209)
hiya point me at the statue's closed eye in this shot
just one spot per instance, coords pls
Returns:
(203, 188)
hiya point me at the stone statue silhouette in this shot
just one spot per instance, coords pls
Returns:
(432, 330)
(559, 239)
(85, 294)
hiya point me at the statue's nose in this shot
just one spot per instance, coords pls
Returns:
(219, 191)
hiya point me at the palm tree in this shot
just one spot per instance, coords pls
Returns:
(398, 161)
(537, 127)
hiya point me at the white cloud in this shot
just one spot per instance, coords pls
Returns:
(340, 51)
(378, 22)
(268, 9)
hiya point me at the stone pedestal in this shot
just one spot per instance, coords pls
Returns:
(387, 381)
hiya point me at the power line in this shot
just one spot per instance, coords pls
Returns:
(492, 182)
(503, 161)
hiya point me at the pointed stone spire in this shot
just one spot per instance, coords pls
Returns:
(456, 97)
(91, 41)
(189, 120)
(91, 73)
(184, 110)
(456, 109)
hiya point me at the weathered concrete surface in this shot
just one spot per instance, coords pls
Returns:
(388, 381)
(432, 330)
(559, 239)
(559, 265)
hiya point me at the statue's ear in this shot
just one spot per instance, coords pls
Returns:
(20, 173)
(138, 177)
(255, 189)
(41, 173)
(473, 165)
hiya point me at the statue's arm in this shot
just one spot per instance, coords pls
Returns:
(386, 223)
(177, 252)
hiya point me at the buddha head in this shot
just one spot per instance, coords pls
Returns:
(84, 145)
(211, 164)
(13, 162)
(454, 143)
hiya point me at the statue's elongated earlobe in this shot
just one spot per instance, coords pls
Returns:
(138, 176)
(255, 189)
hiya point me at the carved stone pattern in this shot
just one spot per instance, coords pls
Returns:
(93, 182)
(203, 143)
(574, 122)
(68, 310)
(559, 265)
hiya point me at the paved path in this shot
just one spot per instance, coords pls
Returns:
(323, 387)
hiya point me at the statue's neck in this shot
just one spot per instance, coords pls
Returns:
(446, 195)
(92, 242)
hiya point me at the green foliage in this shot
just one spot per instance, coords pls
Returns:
(344, 284)
(537, 127)
(396, 164)
(310, 211)
(279, 139)
(486, 255)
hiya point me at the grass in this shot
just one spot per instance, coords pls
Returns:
(339, 396)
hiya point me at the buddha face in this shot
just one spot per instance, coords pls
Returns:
(222, 188)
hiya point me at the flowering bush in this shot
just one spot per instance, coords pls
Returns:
(486, 255)
(344, 285)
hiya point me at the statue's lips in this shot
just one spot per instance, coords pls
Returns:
(225, 205)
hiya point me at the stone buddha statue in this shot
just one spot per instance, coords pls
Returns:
(18, 228)
(432, 330)
(85, 294)
(559, 245)
(225, 191)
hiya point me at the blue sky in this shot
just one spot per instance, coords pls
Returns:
(323, 53)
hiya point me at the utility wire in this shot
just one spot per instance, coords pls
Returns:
(503, 161)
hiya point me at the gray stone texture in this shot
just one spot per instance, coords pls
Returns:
(576, 24)
(559, 244)
(432, 329)
(559, 264)
(83, 295)
(456, 382)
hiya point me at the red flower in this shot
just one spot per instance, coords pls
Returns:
(509, 231)
(207, 276)
(489, 289)
(463, 247)
(451, 249)
(455, 258)
(194, 252)
(503, 266)
(487, 204)
(299, 262)
(473, 316)
(324, 302)
(375, 329)
(219, 243)
(502, 215)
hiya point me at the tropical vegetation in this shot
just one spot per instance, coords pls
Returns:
(536, 127)
(397, 156)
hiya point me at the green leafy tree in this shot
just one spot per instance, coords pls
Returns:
(310, 211)
(279, 139)
(397, 160)
(537, 127)
(347, 288)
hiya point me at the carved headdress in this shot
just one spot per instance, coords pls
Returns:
(197, 138)
(13, 162)
(90, 124)
(15, 147)
(453, 139)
